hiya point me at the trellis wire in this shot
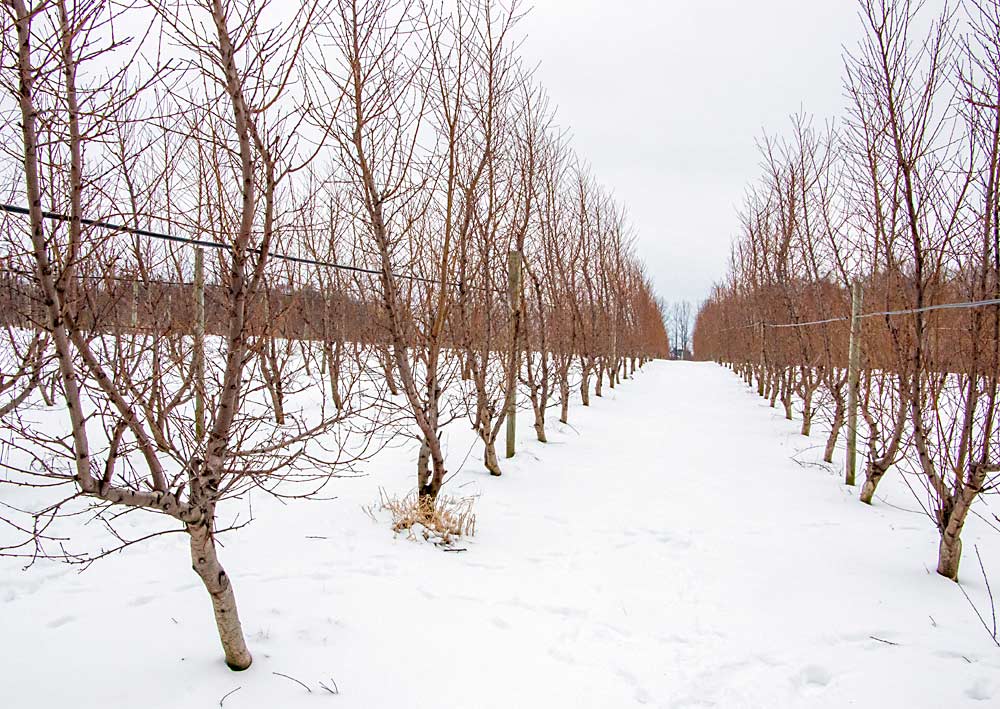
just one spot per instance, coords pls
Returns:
(882, 313)
(55, 216)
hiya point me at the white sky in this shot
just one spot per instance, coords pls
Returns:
(666, 98)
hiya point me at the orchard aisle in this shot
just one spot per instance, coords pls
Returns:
(663, 550)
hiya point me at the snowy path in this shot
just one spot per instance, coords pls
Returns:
(664, 551)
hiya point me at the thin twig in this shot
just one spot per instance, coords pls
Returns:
(227, 694)
(978, 614)
(989, 591)
(887, 642)
(335, 690)
(294, 680)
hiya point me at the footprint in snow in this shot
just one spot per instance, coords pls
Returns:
(641, 695)
(562, 656)
(58, 622)
(499, 622)
(692, 704)
(565, 611)
(953, 655)
(813, 678)
(141, 601)
(981, 690)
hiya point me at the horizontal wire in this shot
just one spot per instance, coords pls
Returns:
(23, 211)
(882, 313)
(888, 313)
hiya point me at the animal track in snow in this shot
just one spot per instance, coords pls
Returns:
(692, 703)
(813, 678)
(63, 620)
(499, 622)
(953, 655)
(564, 657)
(565, 611)
(981, 690)
(641, 695)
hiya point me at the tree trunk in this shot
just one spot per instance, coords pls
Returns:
(430, 471)
(950, 549)
(538, 401)
(206, 564)
(786, 393)
(873, 474)
(307, 356)
(773, 389)
(423, 461)
(838, 423)
(490, 458)
(333, 372)
(807, 411)
(278, 402)
(585, 387)
(273, 383)
(540, 424)
(563, 399)
(949, 554)
(386, 361)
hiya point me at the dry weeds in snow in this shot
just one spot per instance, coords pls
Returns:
(440, 520)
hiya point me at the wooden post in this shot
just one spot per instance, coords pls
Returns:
(853, 383)
(514, 283)
(199, 343)
(763, 360)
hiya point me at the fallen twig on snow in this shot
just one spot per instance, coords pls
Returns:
(887, 642)
(294, 680)
(335, 690)
(228, 694)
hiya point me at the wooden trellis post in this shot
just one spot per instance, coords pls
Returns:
(853, 383)
(199, 343)
(763, 359)
(514, 282)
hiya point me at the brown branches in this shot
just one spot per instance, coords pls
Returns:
(904, 202)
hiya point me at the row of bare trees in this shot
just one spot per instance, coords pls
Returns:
(260, 240)
(901, 199)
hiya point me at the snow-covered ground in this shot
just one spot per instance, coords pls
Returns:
(665, 549)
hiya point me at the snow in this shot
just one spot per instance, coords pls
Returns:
(664, 550)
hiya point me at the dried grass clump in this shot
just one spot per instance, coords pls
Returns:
(441, 521)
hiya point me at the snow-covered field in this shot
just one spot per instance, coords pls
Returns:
(664, 550)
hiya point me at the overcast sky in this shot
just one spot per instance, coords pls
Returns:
(665, 99)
